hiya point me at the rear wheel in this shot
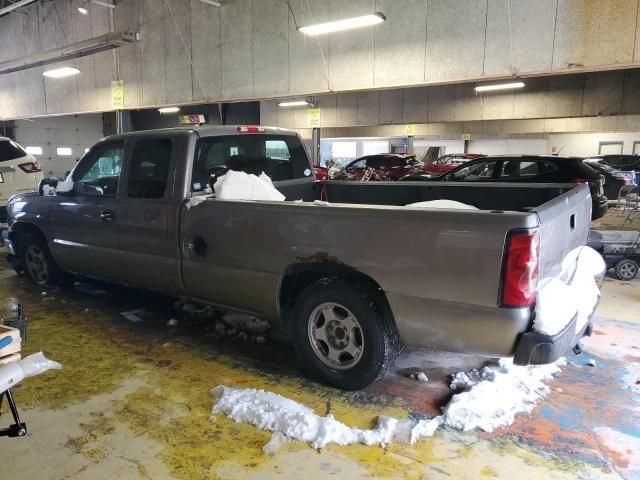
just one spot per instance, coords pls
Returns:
(626, 269)
(342, 336)
(38, 264)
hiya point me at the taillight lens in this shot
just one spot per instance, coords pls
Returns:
(30, 167)
(591, 181)
(520, 277)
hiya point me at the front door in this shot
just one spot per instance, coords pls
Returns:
(84, 220)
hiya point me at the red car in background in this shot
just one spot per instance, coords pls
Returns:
(384, 166)
(448, 162)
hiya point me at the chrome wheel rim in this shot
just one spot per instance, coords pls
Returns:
(36, 265)
(628, 271)
(336, 336)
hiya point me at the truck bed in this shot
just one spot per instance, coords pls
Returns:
(440, 265)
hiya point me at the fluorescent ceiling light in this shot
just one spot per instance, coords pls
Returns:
(212, 2)
(61, 72)
(499, 86)
(83, 48)
(34, 150)
(346, 24)
(169, 110)
(294, 103)
(83, 10)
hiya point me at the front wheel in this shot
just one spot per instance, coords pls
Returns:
(342, 336)
(626, 269)
(38, 264)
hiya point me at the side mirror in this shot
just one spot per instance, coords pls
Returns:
(48, 186)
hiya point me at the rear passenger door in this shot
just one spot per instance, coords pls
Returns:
(148, 249)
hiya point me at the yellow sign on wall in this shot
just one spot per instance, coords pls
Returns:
(314, 117)
(117, 94)
(410, 130)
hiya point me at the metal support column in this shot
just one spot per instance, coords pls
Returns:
(315, 147)
(410, 144)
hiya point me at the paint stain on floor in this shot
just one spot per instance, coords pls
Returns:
(133, 400)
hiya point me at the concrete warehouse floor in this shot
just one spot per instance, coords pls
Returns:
(133, 401)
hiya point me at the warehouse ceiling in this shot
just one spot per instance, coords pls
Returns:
(193, 51)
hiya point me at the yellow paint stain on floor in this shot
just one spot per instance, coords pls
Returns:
(169, 405)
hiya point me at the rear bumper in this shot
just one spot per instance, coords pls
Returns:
(537, 349)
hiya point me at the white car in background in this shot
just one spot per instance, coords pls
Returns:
(20, 172)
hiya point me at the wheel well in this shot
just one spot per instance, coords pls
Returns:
(299, 276)
(19, 230)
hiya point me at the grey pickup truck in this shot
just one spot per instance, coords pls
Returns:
(345, 270)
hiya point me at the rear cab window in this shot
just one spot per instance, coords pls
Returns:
(281, 157)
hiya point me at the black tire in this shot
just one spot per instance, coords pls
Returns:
(38, 264)
(375, 333)
(626, 269)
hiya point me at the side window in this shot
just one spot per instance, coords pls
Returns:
(475, 172)
(99, 171)
(149, 171)
(358, 164)
(545, 167)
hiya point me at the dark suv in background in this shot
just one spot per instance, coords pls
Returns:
(529, 169)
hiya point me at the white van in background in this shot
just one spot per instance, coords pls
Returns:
(19, 173)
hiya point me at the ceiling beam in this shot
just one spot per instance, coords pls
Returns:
(14, 6)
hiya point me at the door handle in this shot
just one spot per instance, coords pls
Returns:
(107, 216)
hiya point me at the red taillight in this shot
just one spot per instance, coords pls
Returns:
(248, 129)
(593, 182)
(30, 167)
(520, 276)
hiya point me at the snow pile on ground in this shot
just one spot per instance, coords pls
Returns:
(243, 186)
(65, 186)
(285, 417)
(419, 376)
(496, 394)
(245, 322)
(492, 397)
(442, 204)
(558, 299)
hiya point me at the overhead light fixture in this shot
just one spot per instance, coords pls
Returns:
(294, 103)
(165, 110)
(83, 48)
(499, 86)
(61, 72)
(83, 10)
(212, 3)
(346, 24)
